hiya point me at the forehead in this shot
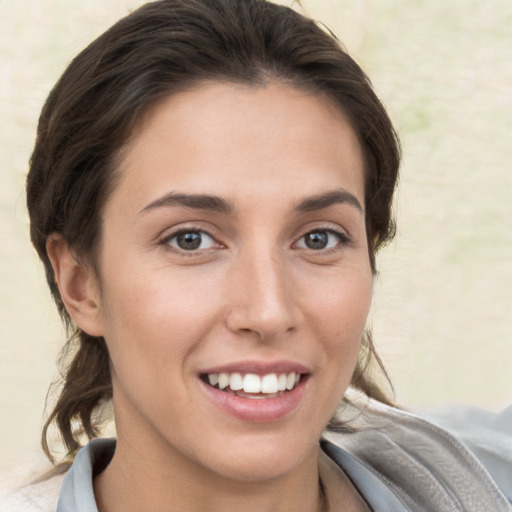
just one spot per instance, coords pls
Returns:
(236, 141)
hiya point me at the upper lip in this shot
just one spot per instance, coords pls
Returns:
(258, 367)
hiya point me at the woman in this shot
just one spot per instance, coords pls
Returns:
(210, 184)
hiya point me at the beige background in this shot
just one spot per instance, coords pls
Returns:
(442, 309)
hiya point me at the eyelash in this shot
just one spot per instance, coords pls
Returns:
(342, 240)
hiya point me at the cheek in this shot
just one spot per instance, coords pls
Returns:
(343, 301)
(155, 319)
(151, 322)
(337, 317)
(339, 311)
(152, 327)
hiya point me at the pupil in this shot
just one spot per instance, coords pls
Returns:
(189, 241)
(317, 240)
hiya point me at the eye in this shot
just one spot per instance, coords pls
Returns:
(321, 239)
(191, 240)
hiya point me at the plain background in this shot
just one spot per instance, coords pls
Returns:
(443, 300)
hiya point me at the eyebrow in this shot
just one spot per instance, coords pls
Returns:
(218, 204)
(327, 199)
(194, 201)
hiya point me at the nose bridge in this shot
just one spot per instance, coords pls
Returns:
(264, 302)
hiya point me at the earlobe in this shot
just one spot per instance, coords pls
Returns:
(77, 285)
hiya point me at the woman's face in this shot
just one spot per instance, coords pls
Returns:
(234, 254)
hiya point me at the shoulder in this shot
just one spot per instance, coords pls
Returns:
(486, 434)
(429, 466)
(37, 497)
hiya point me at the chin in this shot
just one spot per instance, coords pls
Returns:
(262, 456)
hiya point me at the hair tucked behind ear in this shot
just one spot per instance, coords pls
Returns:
(161, 48)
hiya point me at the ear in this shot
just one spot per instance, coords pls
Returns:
(77, 286)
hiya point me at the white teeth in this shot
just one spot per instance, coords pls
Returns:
(270, 384)
(235, 382)
(290, 381)
(252, 383)
(223, 380)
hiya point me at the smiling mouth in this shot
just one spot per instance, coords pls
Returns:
(253, 386)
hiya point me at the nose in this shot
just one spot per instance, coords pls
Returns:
(262, 298)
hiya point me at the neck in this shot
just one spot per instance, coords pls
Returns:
(137, 480)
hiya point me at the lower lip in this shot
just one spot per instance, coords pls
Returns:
(257, 410)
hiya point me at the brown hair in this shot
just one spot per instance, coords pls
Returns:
(160, 48)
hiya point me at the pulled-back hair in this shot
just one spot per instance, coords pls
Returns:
(161, 48)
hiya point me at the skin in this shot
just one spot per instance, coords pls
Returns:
(253, 290)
